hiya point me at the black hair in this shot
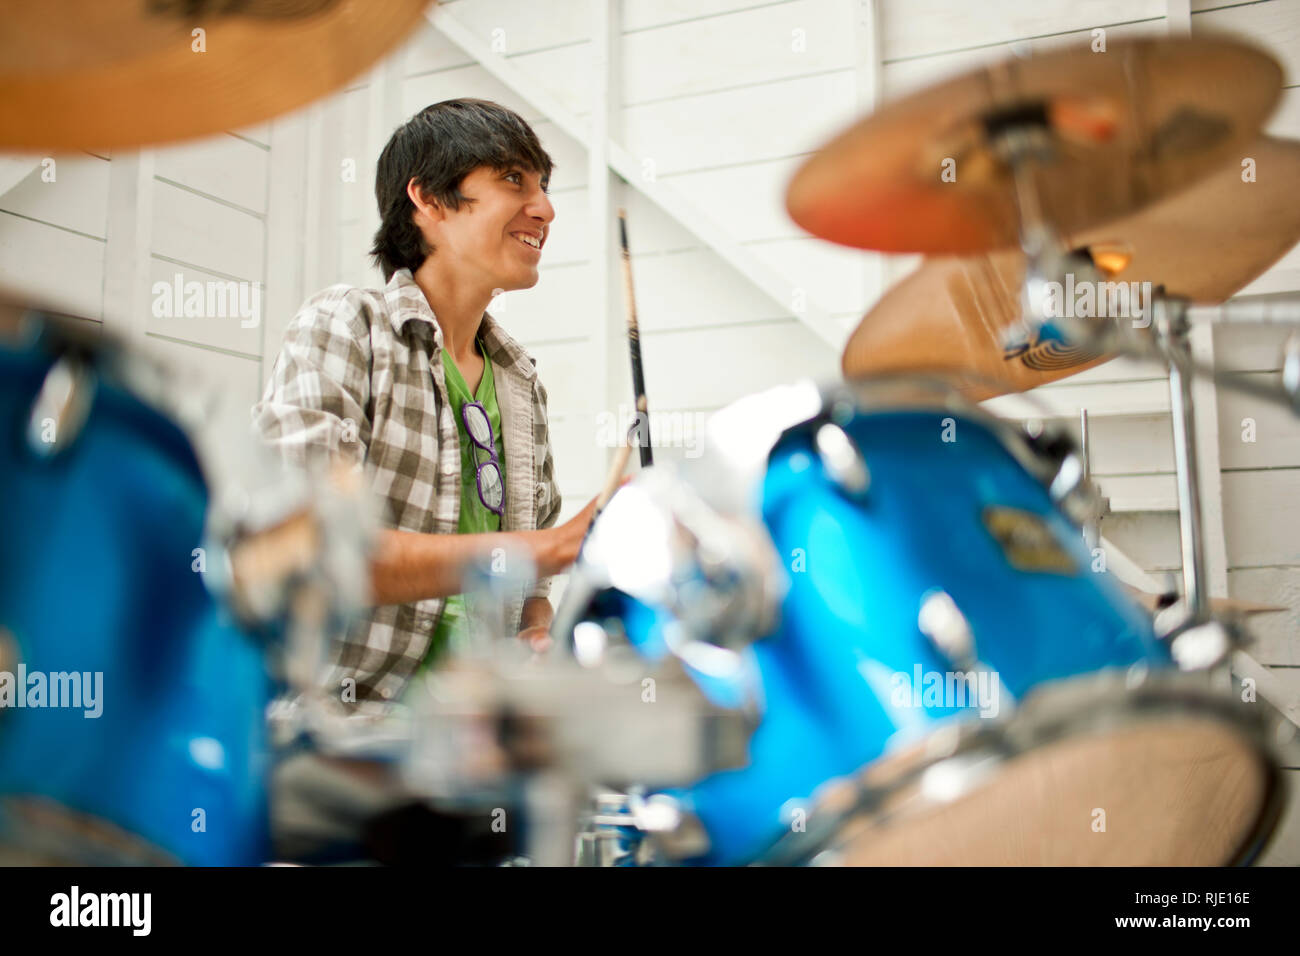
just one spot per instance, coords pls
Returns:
(438, 147)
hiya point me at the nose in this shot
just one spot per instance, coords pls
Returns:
(539, 206)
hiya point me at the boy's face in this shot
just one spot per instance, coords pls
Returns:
(498, 239)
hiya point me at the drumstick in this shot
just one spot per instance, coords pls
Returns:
(634, 346)
(613, 479)
(612, 482)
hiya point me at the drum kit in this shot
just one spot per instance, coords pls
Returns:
(867, 626)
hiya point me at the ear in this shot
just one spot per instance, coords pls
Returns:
(430, 208)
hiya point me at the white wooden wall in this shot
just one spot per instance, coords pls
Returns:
(718, 101)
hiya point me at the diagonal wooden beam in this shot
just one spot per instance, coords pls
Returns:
(14, 169)
(780, 289)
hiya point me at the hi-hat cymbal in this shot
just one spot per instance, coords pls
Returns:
(110, 73)
(1125, 127)
(1205, 244)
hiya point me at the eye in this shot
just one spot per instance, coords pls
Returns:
(515, 177)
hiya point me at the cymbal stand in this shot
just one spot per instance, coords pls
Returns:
(1171, 327)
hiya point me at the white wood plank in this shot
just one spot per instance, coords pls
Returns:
(833, 275)
(567, 154)
(133, 207)
(1254, 433)
(1248, 348)
(1274, 25)
(468, 81)
(320, 236)
(34, 261)
(1145, 493)
(1199, 6)
(913, 28)
(900, 77)
(1262, 511)
(1128, 445)
(692, 289)
(354, 265)
(748, 199)
(1285, 121)
(577, 456)
(357, 198)
(259, 133)
(1150, 539)
(697, 371)
(285, 217)
(561, 306)
(227, 332)
(14, 169)
(513, 27)
(1116, 370)
(1279, 686)
(1064, 400)
(189, 228)
(569, 237)
(1276, 636)
(428, 50)
(231, 385)
(682, 368)
(755, 46)
(560, 72)
(649, 14)
(76, 199)
(223, 166)
(691, 133)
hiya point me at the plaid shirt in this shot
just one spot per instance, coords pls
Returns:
(360, 378)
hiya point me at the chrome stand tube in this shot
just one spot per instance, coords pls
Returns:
(1171, 323)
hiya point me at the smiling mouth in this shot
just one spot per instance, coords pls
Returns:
(531, 241)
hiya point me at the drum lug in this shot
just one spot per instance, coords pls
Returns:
(948, 630)
(61, 407)
(842, 459)
(1066, 476)
(631, 829)
(1198, 646)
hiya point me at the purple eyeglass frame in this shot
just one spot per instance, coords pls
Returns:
(491, 449)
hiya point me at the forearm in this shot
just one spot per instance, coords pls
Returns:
(408, 566)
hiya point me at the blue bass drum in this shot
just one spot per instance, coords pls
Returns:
(952, 676)
(156, 751)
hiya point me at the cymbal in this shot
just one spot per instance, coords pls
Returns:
(1205, 243)
(1125, 127)
(119, 73)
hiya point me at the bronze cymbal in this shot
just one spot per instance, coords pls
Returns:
(126, 73)
(1124, 127)
(1205, 243)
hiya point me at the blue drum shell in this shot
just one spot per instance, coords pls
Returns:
(859, 569)
(97, 576)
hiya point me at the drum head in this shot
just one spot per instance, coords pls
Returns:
(1174, 791)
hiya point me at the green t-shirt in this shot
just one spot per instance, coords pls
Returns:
(475, 517)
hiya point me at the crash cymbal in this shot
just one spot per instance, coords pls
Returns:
(110, 73)
(1124, 128)
(1205, 244)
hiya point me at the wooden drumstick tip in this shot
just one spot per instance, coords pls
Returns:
(614, 477)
